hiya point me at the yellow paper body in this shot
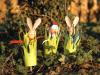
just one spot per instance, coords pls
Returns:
(53, 43)
(70, 45)
(30, 54)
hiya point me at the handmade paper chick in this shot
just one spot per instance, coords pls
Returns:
(51, 43)
(54, 29)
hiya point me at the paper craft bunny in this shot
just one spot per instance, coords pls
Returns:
(71, 26)
(72, 38)
(30, 43)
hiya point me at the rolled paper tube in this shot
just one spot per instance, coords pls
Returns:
(71, 45)
(30, 54)
(51, 45)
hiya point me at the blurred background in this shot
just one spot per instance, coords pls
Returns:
(87, 10)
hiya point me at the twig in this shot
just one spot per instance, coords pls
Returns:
(43, 16)
(40, 68)
(40, 37)
(7, 59)
(3, 32)
(65, 6)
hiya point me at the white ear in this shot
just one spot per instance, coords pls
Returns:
(76, 20)
(37, 23)
(29, 23)
(68, 21)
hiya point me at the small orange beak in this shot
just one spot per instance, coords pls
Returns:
(53, 31)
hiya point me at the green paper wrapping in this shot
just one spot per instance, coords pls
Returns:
(30, 51)
(51, 45)
(71, 43)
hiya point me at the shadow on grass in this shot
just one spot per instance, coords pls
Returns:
(92, 33)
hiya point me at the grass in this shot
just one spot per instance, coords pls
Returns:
(85, 60)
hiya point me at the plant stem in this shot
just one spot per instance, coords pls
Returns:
(30, 68)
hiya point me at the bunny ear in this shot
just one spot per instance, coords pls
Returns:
(68, 21)
(29, 23)
(37, 23)
(76, 20)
